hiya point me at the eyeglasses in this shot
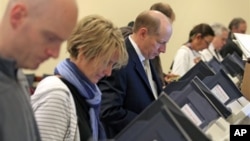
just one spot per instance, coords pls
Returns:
(207, 42)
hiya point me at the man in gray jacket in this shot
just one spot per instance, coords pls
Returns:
(31, 31)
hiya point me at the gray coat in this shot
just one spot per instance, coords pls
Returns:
(17, 122)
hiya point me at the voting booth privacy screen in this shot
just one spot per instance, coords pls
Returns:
(200, 70)
(162, 120)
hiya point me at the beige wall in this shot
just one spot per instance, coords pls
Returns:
(188, 14)
(2, 7)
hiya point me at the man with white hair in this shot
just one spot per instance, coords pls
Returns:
(219, 40)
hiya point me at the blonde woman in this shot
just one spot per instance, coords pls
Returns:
(67, 106)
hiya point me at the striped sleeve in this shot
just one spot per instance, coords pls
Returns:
(52, 113)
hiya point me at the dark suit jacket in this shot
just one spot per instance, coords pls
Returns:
(230, 47)
(126, 93)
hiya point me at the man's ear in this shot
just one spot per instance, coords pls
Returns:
(143, 32)
(17, 15)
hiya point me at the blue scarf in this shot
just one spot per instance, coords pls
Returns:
(88, 90)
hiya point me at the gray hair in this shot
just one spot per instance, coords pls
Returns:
(218, 28)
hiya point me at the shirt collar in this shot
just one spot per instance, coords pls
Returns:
(137, 49)
(8, 67)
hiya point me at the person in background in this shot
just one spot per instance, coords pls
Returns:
(167, 10)
(128, 91)
(131, 24)
(126, 31)
(29, 35)
(188, 54)
(237, 25)
(67, 105)
(220, 38)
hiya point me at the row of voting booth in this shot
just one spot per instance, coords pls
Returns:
(200, 106)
